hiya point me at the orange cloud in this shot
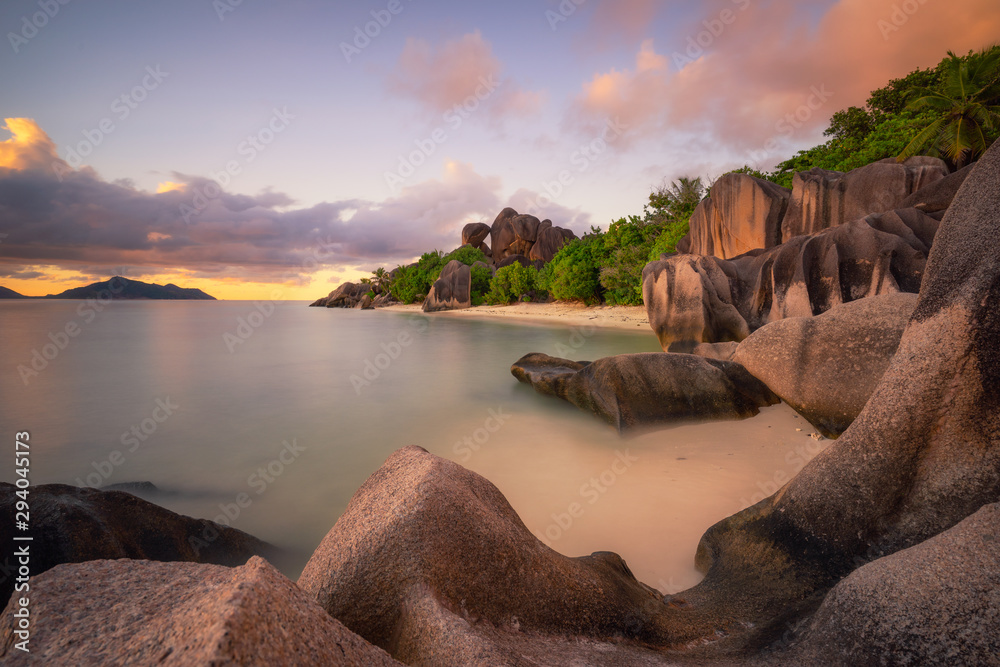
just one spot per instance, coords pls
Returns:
(169, 186)
(738, 85)
(28, 147)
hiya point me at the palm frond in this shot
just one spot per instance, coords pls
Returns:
(921, 140)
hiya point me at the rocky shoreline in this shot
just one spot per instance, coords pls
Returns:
(881, 327)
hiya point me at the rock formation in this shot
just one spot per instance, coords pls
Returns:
(430, 562)
(475, 233)
(822, 199)
(826, 367)
(939, 194)
(347, 295)
(744, 213)
(72, 525)
(635, 390)
(452, 290)
(516, 234)
(693, 299)
(113, 612)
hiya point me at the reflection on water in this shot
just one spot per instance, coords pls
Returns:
(310, 401)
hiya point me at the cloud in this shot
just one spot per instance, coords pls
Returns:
(621, 20)
(81, 220)
(28, 145)
(739, 79)
(460, 75)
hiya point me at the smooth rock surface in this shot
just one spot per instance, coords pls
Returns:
(939, 194)
(116, 612)
(826, 367)
(452, 290)
(821, 199)
(475, 233)
(744, 213)
(634, 390)
(935, 603)
(72, 525)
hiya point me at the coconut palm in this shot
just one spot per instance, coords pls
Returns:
(966, 106)
(380, 278)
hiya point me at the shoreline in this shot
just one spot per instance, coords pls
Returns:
(627, 318)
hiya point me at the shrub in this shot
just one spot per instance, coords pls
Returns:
(481, 278)
(574, 273)
(511, 283)
(466, 255)
(416, 279)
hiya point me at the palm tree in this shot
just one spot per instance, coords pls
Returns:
(380, 278)
(966, 106)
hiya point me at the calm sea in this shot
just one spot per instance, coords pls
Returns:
(295, 407)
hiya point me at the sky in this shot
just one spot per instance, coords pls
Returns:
(271, 150)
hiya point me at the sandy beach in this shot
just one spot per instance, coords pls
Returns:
(571, 314)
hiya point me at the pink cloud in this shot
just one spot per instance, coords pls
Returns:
(746, 84)
(464, 73)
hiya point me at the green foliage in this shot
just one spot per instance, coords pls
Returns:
(512, 283)
(481, 278)
(466, 255)
(964, 108)
(667, 241)
(574, 274)
(415, 280)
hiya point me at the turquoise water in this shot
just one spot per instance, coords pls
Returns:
(295, 407)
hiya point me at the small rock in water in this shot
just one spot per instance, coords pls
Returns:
(816, 436)
(798, 429)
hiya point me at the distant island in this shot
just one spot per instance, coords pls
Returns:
(120, 288)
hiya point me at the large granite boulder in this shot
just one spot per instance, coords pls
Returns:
(502, 234)
(744, 213)
(923, 455)
(936, 603)
(452, 290)
(693, 299)
(637, 390)
(431, 563)
(826, 367)
(550, 240)
(475, 233)
(822, 199)
(347, 295)
(939, 194)
(72, 525)
(116, 612)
